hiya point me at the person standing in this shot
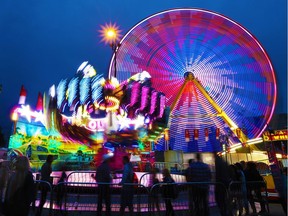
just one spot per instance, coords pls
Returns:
(127, 190)
(103, 178)
(168, 192)
(153, 196)
(200, 172)
(222, 176)
(20, 189)
(253, 182)
(243, 189)
(46, 171)
(4, 173)
(283, 197)
(188, 176)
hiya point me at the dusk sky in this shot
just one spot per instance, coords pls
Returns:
(44, 41)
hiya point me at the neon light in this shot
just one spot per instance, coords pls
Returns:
(113, 103)
(52, 91)
(135, 93)
(84, 90)
(61, 92)
(97, 88)
(140, 76)
(96, 124)
(39, 117)
(144, 97)
(162, 105)
(222, 72)
(82, 66)
(73, 86)
(153, 102)
(14, 116)
(25, 111)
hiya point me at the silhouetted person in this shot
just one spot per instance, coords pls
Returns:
(200, 172)
(243, 189)
(252, 175)
(284, 192)
(188, 176)
(168, 192)
(46, 171)
(61, 187)
(222, 176)
(127, 190)
(20, 189)
(103, 175)
(154, 198)
(4, 173)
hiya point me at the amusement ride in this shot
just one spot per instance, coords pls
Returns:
(181, 79)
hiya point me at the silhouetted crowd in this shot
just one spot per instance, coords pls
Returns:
(236, 187)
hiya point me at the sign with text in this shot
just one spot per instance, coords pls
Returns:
(275, 135)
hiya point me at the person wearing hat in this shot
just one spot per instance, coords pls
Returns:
(103, 178)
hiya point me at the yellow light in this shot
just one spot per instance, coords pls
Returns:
(110, 33)
(14, 116)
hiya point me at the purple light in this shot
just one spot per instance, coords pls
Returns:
(161, 106)
(144, 97)
(135, 93)
(153, 102)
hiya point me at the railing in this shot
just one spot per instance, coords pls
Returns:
(172, 167)
(68, 197)
(43, 193)
(76, 196)
(241, 193)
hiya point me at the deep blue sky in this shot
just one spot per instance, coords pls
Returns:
(43, 41)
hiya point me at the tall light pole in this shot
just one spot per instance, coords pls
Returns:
(110, 34)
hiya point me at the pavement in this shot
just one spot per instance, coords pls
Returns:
(275, 210)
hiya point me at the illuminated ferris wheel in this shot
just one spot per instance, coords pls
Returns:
(214, 73)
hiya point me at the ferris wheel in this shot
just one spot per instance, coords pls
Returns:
(214, 73)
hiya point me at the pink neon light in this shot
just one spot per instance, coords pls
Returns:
(144, 97)
(162, 105)
(153, 102)
(135, 93)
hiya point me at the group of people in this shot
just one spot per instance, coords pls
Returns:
(104, 178)
(21, 189)
(166, 187)
(242, 180)
(200, 174)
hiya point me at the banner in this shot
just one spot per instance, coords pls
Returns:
(217, 133)
(196, 134)
(206, 132)
(187, 135)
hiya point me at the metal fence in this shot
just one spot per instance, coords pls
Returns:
(245, 194)
(66, 198)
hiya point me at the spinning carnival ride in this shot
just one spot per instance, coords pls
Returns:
(207, 75)
(217, 78)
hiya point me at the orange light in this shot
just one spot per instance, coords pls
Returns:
(14, 116)
(110, 33)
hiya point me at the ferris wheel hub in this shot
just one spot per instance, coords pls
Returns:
(189, 75)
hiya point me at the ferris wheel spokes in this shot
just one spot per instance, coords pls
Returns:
(220, 112)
